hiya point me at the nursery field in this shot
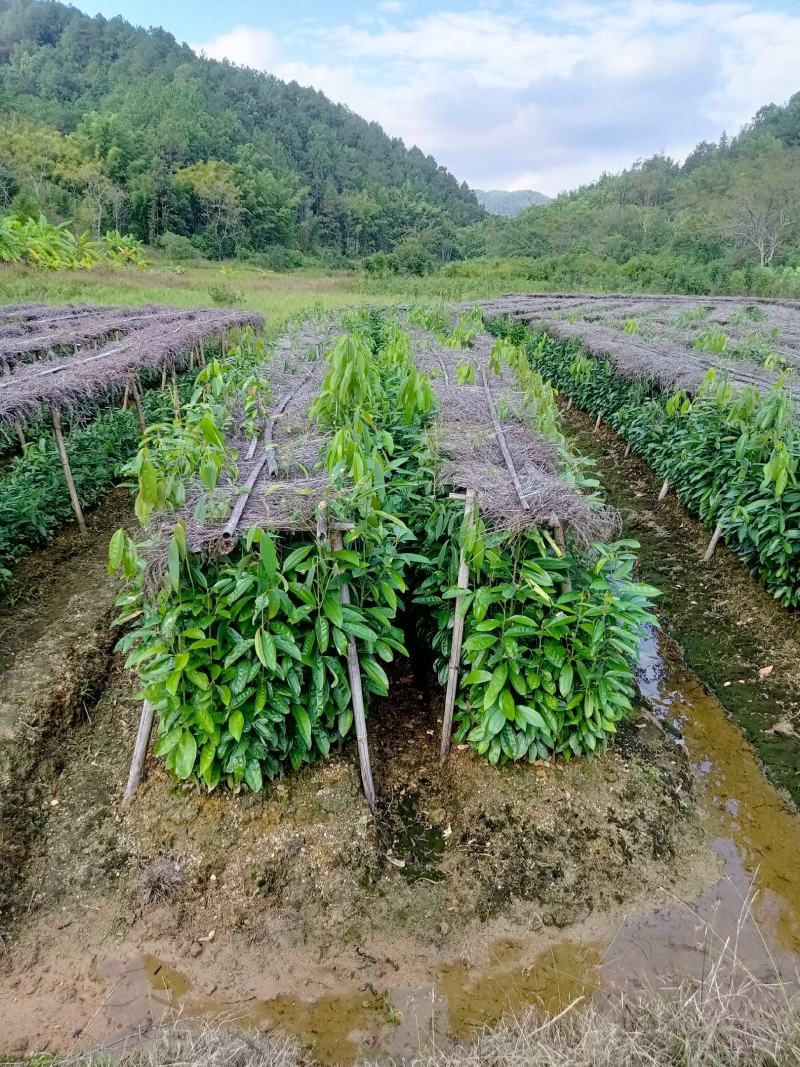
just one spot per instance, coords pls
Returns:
(412, 664)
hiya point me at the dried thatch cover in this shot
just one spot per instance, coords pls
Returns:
(662, 351)
(169, 337)
(76, 332)
(473, 459)
(287, 501)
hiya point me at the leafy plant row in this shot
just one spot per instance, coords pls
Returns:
(733, 456)
(244, 657)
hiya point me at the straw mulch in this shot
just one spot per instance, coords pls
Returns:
(168, 337)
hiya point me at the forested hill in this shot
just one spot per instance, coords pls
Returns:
(109, 124)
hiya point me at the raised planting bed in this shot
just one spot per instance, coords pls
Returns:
(265, 601)
(724, 434)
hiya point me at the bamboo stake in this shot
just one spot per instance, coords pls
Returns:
(453, 668)
(627, 450)
(597, 424)
(712, 544)
(164, 375)
(139, 752)
(569, 404)
(176, 400)
(55, 415)
(501, 440)
(126, 396)
(356, 694)
(21, 435)
(664, 490)
(138, 402)
(268, 459)
(202, 354)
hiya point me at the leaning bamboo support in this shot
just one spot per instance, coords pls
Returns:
(139, 752)
(454, 667)
(21, 436)
(356, 692)
(55, 415)
(267, 459)
(597, 423)
(627, 449)
(501, 440)
(712, 544)
(126, 397)
(569, 404)
(138, 402)
(664, 490)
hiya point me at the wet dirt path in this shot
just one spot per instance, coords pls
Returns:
(742, 644)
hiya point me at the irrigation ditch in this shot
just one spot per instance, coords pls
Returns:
(472, 889)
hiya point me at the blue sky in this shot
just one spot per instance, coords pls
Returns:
(514, 94)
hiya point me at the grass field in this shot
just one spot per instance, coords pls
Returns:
(278, 297)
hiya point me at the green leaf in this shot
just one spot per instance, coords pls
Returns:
(303, 723)
(236, 724)
(252, 775)
(332, 607)
(565, 680)
(495, 685)
(265, 649)
(186, 752)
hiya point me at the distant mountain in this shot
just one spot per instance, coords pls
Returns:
(509, 202)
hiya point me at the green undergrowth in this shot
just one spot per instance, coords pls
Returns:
(244, 656)
(732, 455)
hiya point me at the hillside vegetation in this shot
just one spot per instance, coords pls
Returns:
(118, 127)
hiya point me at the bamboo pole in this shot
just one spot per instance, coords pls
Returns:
(501, 440)
(267, 458)
(597, 424)
(139, 752)
(664, 490)
(126, 397)
(21, 435)
(164, 375)
(569, 404)
(712, 544)
(454, 666)
(202, 354)
(55, 415)
(356, 694)
(627, 450)
(138, 402)
(176, 400)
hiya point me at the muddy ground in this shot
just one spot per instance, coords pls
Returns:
(472, 891)
(743, 645)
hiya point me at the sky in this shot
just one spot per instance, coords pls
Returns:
(519, 94)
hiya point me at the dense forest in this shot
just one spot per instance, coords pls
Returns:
(114, 126)
(726, 219)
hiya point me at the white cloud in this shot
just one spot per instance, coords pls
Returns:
(244, 45)
(541, 96)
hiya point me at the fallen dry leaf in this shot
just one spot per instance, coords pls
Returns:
(765, 672)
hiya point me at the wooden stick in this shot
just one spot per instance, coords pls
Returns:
(268, 457)
(356, 694)
(597, 424)
(138, 402)
(202, 354)
(664, 490)
(501, 439)
(21, 435)
(176, 400)
(55, 415)
(569, 404)
(164, 375)
(453, 668)
(627, 450)
(126, 396)
(139, 752)
(712, 544)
